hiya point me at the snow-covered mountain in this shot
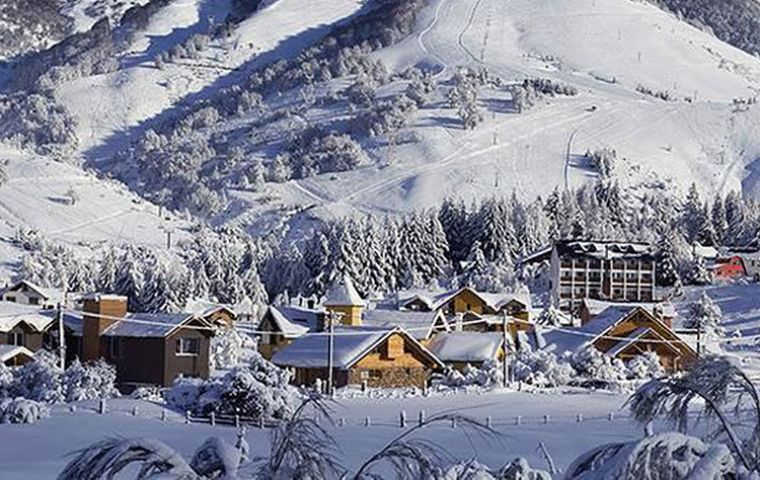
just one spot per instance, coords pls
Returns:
(263, 114)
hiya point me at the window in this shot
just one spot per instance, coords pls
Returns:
(34, 301)
(188, 346)
(114, 346)
(16, 338)
(10, 299)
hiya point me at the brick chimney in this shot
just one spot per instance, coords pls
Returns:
(104, 310)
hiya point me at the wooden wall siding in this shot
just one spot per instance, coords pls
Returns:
(408, 357)
(393, 348)
(140, 360)
(33, 340)
(389, 377)
(185, 365)
(95, 325)
(465, 298)
(276, 341)
(351, 315)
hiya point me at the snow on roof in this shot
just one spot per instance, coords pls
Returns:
(466, 346)
(46, 293)
(417, 324)
(566, 341)
(295, 321)
(147, 324)
(595, 307)
(435, 300)
(203, 308)
(706, 252)
(603, 249)
(8, 352)
(103, 296)
(350, 344)
(343, 294)
(11, 314)
(630, 340)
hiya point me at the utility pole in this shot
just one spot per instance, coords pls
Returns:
(505, 369)
(61, 337)
(699, 339)
(330, 350)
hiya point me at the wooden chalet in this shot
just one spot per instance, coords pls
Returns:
(465, 300)
(624, 332)
(664, 311)
(24, 325)
(284, 323)
(375, 357)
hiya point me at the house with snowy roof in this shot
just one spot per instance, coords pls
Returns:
(601, 270)
(459, 349)
(25, 292)
(665, 311)
(377, 357)
(463, 300)
(14, 355)
(282, 324)
(145, 348)
(24, 325)
(623, 332)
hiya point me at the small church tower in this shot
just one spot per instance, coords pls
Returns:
(343, 300)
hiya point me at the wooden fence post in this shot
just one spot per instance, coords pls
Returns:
(454, 422)
(102, 406)
(421, 421)
(72, 408)
(237, 421)
(546, 419)
(163, 415)
(187, 416)
(488, 421)
(135, 411)
(213, 419)
(611, 416)
(342, 422)
(367, 422)
(518, 420)
(402, 419)
(579, 418)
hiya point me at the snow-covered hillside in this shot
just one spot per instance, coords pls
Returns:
(675, 102)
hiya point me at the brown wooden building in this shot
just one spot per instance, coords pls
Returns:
(145, 348)
(378, 357)
(466, 300)
(24, 325)
(624, 333)
(284, 324)
(14, 356)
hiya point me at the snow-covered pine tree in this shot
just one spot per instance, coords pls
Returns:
(668, 274)
(316, 259)
(692, 215)
(454, 220)
(130, 280)
(698, 273)
(280, 170)
(736, 218)
(705, 315)
(719, 222)
(108, 271)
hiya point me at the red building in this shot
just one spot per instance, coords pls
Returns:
(729, 267)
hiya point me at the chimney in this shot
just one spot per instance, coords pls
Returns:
(104, 311)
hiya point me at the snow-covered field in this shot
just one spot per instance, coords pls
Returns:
(39, 451)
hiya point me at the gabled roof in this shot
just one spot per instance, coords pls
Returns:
(203, 308)
(436, 300)
(46, 293)
(595, 307)
(144, 325)
(350, 345)
(11, 314)
(637, 335)
(343, 294)
(8, 352)
(293, 321)
(466, 346)
(567, 341)
(420, 325)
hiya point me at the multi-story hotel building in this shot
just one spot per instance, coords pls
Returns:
(615, 271)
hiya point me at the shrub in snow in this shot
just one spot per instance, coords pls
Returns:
(668, 455)
(90, 381)
(542, 369)
(22, 410)
(260, 390)
(488, 376)
(40, 379)
(603, 161)
(595, 365)
(6, 381)
(645, 366)
(229, 347)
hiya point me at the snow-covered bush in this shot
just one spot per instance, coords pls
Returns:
(595, 365)
(229, 347)
(22, 410)
(542, 369)
(489, 375)
(89, 381)
(645, 366)
(603, 161)
(39, 380)
(386, 116)
(667, 455)
(260, 390)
